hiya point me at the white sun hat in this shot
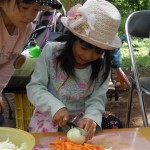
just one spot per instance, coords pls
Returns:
(97, 23)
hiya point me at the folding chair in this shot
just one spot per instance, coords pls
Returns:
(138, 25)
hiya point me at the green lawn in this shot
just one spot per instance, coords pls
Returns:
(141, 53)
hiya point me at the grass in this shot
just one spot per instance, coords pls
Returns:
(141, 53)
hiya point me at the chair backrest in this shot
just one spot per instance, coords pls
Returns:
(137, 25)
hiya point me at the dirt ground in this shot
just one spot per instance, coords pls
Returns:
(117, 108)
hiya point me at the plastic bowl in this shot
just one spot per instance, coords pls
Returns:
(17, 137)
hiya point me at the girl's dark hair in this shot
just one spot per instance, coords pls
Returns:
(24, 1)
(66, 60)
(20, 1)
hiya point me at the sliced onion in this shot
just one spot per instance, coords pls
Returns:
(75, 136)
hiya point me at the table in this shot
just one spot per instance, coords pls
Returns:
(118, 139)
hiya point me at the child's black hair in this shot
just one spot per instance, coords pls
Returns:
(66, 61)
(20, 1)
(24, 1)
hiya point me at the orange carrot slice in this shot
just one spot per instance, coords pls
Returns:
(65, 144)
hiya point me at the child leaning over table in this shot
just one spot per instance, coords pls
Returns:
(15, 28)
(74, 76)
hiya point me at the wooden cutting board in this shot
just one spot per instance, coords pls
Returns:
(126, 139)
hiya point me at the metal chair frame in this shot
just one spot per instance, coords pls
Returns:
(138, 25)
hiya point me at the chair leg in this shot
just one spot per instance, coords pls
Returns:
(142, 105)
(116, 93)
(144, 115)
(140, 95)
(129, 104)
(9, 107)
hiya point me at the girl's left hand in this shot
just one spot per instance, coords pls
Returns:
(88, 125)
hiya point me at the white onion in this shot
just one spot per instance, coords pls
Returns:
(7, 145)
(75, 136)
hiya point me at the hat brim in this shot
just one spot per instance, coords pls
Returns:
(53, 5)
(116, 43)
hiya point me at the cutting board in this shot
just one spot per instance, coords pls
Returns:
(125, 140)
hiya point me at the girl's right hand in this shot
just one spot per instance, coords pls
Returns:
(61, 117)
(1, 105)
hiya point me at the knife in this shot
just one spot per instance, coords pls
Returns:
(71, 124)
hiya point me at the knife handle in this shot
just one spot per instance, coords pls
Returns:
(71, 124)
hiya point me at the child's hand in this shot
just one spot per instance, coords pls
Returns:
(1, 104)
(61, 117)
(88, 125)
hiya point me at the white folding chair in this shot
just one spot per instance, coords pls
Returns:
(138, 25)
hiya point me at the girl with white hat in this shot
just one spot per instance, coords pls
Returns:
(15, 28)
(73, 77)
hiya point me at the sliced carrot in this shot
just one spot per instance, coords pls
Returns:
(65, 144)
(90, 146)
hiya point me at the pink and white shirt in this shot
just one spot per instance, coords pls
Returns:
(10, 47)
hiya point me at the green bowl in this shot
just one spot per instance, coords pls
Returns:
(17, 137)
